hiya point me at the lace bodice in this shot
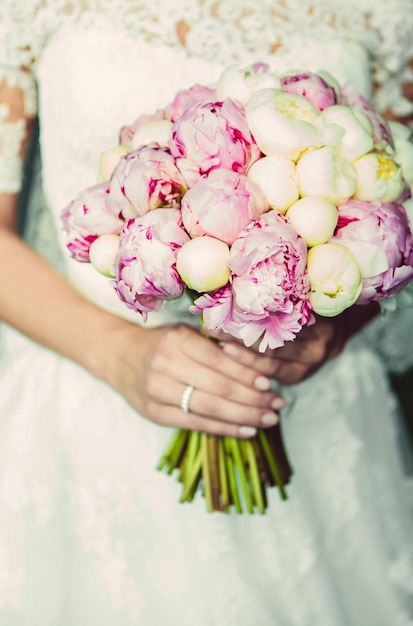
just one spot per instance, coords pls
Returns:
(217, 31)
(214, 29)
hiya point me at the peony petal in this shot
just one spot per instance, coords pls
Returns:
(371, 259)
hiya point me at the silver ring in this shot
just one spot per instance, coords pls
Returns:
(186, 396)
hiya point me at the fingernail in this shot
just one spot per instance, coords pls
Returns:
(278, 403)
(247, 431)
(269, 419)
(231, 350)
(262, 383)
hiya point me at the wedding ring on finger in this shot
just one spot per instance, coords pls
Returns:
(186, 397)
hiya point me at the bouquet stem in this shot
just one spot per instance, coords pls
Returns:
(230, 473)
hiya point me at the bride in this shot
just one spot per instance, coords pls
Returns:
(90, 533)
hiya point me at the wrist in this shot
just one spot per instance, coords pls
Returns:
(118, 356)
(108, 343)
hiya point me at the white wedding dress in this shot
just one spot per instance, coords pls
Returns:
(90, 533)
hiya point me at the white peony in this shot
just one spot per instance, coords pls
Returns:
(276, 178)
(314, 218)
(335, 279)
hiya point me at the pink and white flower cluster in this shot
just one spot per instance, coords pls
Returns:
(267, 197)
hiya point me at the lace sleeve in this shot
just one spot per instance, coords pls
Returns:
(18, 101)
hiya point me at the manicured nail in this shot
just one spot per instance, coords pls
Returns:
(269, 419)
(247, 431)
(262, 383)
(278, 403)
(231, 350)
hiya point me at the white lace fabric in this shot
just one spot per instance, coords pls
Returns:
(214, 30)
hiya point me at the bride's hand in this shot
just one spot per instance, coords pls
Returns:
(313, 346)
(151, 368)
(297, 359)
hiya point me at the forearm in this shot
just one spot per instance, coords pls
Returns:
(39, 302)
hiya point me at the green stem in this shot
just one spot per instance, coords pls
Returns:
(206, 474)
(272, 464)
(264, 472)
(168, 452)
(241, 472)
(275, 441)
(223, 478)
(232, 483)
(192, 479)
(214, 472)
(177, 451)
(191, 451)
(257, 486)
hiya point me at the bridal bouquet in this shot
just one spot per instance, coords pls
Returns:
(266, 198)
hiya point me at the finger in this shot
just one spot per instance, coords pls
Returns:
(307, 351)
(167, 415)
(204, 365)
(211, 355)
(224, 410)
(284, 371)
(213, 406)
(260, 363)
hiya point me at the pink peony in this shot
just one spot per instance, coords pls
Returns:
(268, 297)
(86, 218)
(212, 135)
(378, 236)
(221, 205)
(145, 268)
(127, 132)
(381, 130)
(186, 98)
(145, 179)
(311, 86)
